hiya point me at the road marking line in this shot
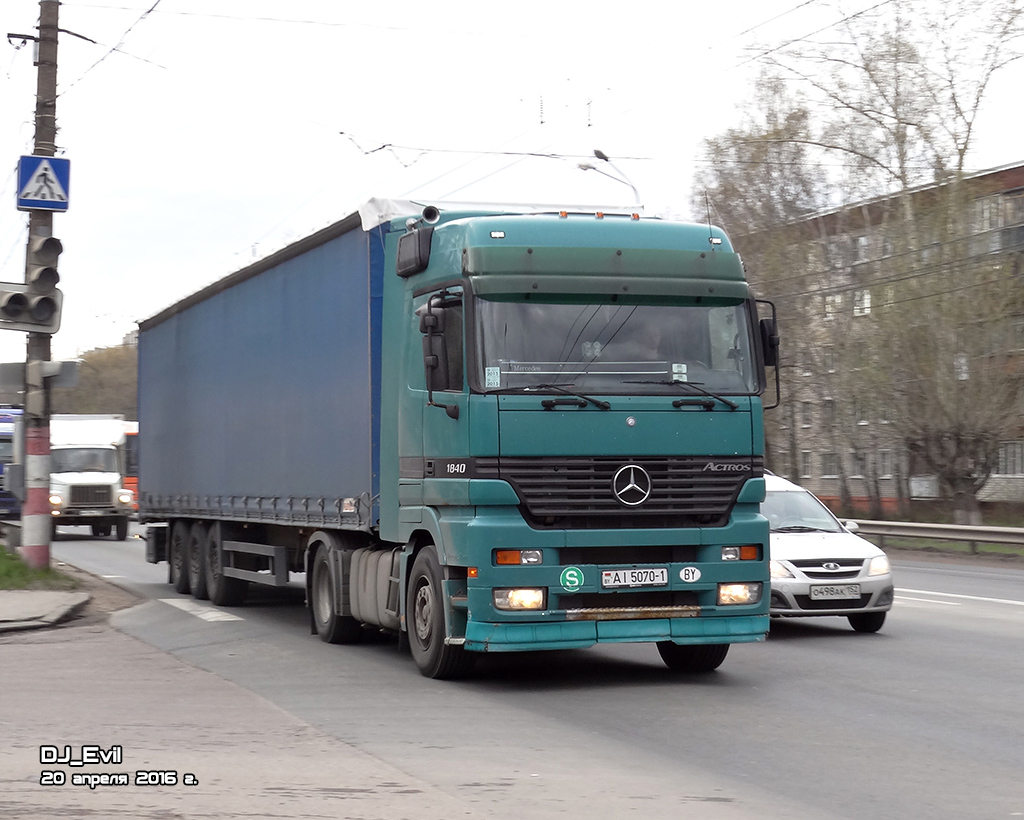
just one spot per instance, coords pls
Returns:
(926, 601)
(207, 613)
(965, 597)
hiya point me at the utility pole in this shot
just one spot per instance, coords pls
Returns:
(36, 521)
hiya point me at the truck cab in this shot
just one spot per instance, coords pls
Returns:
(87, 455)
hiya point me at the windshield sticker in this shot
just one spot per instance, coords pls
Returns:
(492, 377)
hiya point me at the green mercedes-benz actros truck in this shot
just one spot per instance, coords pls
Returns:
(488, 430)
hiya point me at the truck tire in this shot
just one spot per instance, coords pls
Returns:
(197, 560)
(425, 622)
(696, 659)
(330, 626)
(177, 557)
(223, 591)
(121, 532)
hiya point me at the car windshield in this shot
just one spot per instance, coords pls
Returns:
(614, 348)
(797, 511)
(83, 460)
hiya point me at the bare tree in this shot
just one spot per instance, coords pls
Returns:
(106, 384)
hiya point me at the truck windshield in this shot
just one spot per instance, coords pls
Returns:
(83, 460)
(610, 348)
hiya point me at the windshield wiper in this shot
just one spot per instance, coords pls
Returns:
(603, 405)
(695, 385)
(798, 528)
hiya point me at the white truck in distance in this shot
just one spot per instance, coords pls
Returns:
(87, 458)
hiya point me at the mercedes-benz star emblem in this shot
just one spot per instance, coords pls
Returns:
(631, 485)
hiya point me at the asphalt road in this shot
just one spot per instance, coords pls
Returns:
(924, 719)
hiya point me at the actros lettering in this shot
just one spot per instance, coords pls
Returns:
(726, 468)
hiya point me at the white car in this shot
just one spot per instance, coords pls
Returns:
(818, 566)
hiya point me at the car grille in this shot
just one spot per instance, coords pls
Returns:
(814, 568)
(576, 493)
(86, 495)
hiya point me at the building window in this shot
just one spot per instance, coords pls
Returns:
(862, 302)
(860, 464)
(805, 464)
(1011, 458)
(885, 463)
(828, 412)
(829, 465)
(805, 413)
(860, 414)
(828, 358)
(833, 304)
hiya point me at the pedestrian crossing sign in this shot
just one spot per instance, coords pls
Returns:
(43, 183)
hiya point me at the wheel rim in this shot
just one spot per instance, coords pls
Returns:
(423, 613)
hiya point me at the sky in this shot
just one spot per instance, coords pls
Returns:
(206, 134)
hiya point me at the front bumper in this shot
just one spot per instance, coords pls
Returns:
(791, 597)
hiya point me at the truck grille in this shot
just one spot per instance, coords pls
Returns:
(87, 495)
(576, 493)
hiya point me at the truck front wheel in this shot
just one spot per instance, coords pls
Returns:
(425, 622)
(330, 626)
(177, 557)
(196, 561)
(121, 531)
(696, 658)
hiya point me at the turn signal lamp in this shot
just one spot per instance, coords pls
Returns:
(748, 552)
(516, 557)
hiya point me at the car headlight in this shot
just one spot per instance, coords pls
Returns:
(779, 570)
(879, 565)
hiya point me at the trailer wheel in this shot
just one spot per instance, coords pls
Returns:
(197, 560)
(121, 532)
(330, 626)
(425, 622)
(223, 590)
(177, 558)
(696, 658)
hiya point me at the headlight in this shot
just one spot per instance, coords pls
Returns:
(779, 570)
(730, 594)
(56, 500)
(125, 496)
(517, 599)
(879, 565)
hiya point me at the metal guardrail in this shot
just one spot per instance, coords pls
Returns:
(941, 532)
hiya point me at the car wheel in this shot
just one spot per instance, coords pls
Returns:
(867, 621)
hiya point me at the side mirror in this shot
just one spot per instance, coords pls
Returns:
(851, 526)
(770, 342)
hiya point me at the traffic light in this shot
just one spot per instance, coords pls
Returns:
(35, 305)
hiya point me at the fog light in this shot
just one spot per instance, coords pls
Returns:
(518, 599)
(731, 594)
